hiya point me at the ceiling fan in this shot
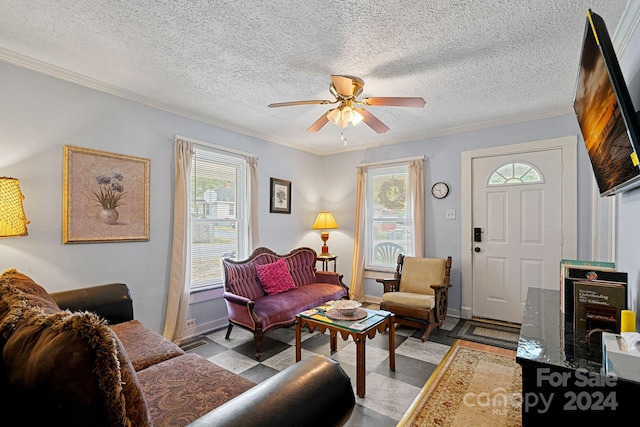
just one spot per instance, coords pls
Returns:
(346, 89)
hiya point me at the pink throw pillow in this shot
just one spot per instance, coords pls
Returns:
(275, 277)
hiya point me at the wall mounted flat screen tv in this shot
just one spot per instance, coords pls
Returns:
(605, 113)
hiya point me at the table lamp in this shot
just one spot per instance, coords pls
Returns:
(13, 222)
(325, 221)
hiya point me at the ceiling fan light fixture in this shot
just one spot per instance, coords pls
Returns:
(334, 115)
(347, 114)
(345, 89)
(357, 117)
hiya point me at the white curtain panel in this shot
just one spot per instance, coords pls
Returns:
(180, 278)
(356, 290)
(254, 204)
(415, 193)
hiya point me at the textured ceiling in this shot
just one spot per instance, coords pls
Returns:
(475, 62)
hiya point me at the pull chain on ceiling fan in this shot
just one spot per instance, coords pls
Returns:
(345, 90)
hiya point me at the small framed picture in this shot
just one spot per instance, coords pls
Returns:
(280, 196)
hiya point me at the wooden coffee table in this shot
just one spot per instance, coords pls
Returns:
(358, 330)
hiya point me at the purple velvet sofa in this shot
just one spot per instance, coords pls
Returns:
(250, 306)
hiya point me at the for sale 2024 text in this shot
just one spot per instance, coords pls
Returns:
(589, 391)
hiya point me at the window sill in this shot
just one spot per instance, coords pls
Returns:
(379, 274)
(206, 293)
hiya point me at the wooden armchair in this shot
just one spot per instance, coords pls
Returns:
(418, 294)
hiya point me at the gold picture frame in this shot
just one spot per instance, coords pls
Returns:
(105, 197)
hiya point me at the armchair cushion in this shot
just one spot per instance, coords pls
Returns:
(418, 294)
(275, 277)
(144, 346)
(181, 389)
(418, 274)
(426, 302)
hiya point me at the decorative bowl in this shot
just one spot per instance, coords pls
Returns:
(346, 307)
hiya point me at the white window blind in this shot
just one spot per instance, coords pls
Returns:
(218, 213)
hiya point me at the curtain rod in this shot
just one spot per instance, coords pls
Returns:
(405, 159)
(217, 147)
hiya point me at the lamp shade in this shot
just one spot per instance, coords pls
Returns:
(13, 222)
(325, 221)
(344, 114)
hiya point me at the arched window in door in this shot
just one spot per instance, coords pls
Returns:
(515, 173)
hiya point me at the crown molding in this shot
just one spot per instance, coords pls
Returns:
(626, 27)
(628, 24)
(73, 77)
(99, 85)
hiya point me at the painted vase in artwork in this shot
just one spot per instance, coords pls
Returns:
(109, 196)
(109, 216)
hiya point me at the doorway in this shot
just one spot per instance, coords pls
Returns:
(522, 199)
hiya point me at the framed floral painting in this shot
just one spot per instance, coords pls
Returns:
(280, 196)
(106, 197)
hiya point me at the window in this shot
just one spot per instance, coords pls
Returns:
(388, 216)
(219, 226)
(515, 173)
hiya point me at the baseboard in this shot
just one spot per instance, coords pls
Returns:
(206, 328)
(370, 299)
(213, 326)
(454, 313)
(466, 312)
(496, 322)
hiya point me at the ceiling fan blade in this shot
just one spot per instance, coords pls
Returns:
(288, 104)
(372, 121)
(343, 84)
(395, 101)
(319, 124)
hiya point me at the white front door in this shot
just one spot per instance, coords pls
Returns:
(517, 207)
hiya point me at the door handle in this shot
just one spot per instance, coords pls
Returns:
(477, 249)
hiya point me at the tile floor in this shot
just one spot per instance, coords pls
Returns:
(388, 394)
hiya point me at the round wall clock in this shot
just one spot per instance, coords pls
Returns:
(440, 190)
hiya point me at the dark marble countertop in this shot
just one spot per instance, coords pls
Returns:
(546, 337)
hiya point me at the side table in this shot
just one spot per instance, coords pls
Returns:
(325, 259)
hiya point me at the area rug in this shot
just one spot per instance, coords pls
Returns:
(487, 333)
(474, 385)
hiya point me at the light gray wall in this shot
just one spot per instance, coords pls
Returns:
(628, 248)
(40, 114)
(442, 236)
